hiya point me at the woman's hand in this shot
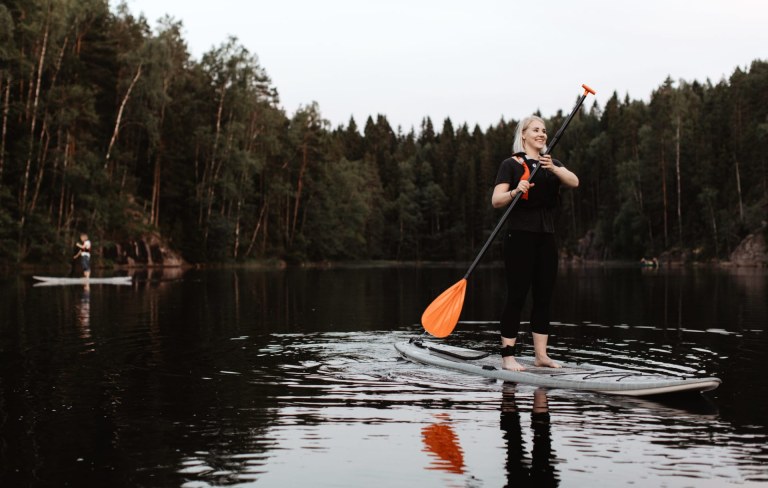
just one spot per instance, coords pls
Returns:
(503, 194)
(524, 186)
(565, 176)
(546, 163)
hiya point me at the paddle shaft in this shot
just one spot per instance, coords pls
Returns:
(504, 217)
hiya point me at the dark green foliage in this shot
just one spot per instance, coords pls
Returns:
(340, 211)
(110, 126)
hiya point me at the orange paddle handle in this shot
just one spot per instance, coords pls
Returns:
(588, 89)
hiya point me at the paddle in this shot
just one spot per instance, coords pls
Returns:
(442, 314)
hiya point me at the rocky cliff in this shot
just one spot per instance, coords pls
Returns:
(752, 251)
(149, 250)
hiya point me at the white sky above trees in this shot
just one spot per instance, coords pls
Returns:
(474, 61)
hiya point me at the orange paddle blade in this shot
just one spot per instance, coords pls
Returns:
(441, 315)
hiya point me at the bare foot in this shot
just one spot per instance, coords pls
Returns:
(511, 364)
(545, 362)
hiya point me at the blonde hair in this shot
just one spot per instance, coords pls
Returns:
(517, 146)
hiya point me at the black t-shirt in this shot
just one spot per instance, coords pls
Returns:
(537, 213)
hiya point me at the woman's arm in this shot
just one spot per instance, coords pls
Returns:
(503, 196)
(566, 177)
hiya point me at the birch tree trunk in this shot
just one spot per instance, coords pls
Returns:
(257, 228)
(208, 172)
(45, 137)
(155, 210)
(714, 226)
(237, 228)
(6, 108)
(33, 123)
(120, 111)
(677, 172)
(45, 140)
(215, 176)
(738, 189)
(736, 165)
(663, 165)
(156, 183)
(299, 187)
(69, 150)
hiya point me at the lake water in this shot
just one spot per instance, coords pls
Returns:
(289, 378)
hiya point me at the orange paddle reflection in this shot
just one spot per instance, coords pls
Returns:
(442, 443)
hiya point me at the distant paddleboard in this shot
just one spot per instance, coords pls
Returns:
(576, 376)
(53, 280)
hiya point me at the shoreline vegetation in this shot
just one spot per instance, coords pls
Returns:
(275, 264)
(109, 126)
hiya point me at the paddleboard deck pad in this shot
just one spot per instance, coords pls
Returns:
(576, 376)
(53, 280)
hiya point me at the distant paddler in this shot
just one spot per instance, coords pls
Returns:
(84, 253)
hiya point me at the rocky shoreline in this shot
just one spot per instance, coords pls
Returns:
(152, 251)
(148, 251)
(751, 252)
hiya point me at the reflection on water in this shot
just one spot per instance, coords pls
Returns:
(442, 442)
(83, 313)
(538, 469)
(288, 377)
(350, 401)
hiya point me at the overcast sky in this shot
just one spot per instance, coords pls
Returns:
(475, 60)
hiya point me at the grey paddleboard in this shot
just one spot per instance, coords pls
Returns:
(576, 376)
(53, 280)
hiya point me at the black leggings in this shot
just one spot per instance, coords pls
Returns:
(530, 261)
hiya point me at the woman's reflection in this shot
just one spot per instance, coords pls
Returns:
(83, 314)
(539, 470)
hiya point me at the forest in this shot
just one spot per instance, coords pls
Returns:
(108, 125)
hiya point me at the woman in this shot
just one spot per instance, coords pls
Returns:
(84, 253)
(530, 251)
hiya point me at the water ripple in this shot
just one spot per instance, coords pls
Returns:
(339, 391)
